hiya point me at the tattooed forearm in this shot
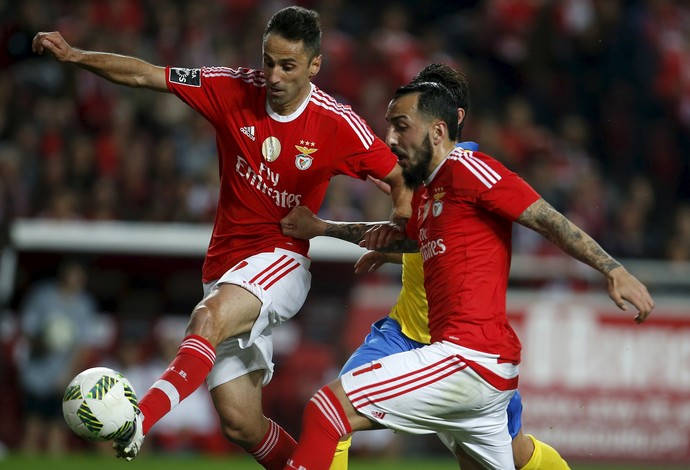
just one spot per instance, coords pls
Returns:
(400, 246)
(544, 219)
(350, 232)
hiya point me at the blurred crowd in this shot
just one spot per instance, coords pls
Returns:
(588, 100)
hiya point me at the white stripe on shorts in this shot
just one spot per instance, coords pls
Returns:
(381, 391)
(276, 271)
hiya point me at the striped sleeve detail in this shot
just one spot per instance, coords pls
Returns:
(360, 128)
(255, 77)
(406, 383)
(322, 402)
(480, 169)
(275, 272)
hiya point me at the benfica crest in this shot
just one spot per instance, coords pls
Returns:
(437, 207)
(303, 161)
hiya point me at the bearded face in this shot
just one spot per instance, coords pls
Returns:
(416, 164)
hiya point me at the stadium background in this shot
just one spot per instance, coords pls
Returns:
(588, 100)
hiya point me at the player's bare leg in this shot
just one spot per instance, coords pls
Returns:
(238, 404)
(465, 461)
(229, 310)
(523, 448)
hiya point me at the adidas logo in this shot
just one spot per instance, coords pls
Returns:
(248, 131)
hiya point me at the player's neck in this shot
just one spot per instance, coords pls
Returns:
(440, 154)
(286, 109)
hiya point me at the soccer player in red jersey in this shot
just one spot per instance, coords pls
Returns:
(407, 326)
(463, 209)
(280, 139)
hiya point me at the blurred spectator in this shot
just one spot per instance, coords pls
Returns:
(678, 245)
(56, 320)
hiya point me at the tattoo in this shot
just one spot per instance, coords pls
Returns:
(544, 219)
(401, 246)
(353, 232)
(350, 232)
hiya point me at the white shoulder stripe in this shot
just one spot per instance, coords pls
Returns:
(488, 177)
(355, 122)
(254, 77)
(345, 111)
(484, 168)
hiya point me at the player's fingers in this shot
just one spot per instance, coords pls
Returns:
(36, 44)
(372, 237)
(618, 299)
(644, 310)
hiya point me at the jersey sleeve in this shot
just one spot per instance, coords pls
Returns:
(201, 89)
(509, 196)
(365, 154)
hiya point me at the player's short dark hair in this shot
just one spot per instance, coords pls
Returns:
(453, 80)
(297, 24)
(435, 102)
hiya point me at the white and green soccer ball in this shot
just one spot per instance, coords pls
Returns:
(100, 404)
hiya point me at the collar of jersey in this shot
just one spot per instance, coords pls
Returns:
(290, 117)
(430, 178)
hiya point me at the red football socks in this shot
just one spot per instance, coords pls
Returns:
(185, 373)
(275, 448)
(323, 424)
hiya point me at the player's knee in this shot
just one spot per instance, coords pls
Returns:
(241, 430)
(204, 322)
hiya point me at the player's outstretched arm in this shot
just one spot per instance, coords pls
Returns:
(303, 224)
(622, 286)
(116, 68)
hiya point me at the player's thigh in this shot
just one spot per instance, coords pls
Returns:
(238, 402)
(408, 391)
(466, 462)
(232, 310)
(256, 295)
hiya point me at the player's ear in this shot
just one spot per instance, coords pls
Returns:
(439, 132)
(461, 115)
(315, 66)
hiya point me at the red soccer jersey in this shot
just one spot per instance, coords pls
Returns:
(270, 163)
(462, 221)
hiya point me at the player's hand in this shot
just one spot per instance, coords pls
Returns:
(373, 260)
(623, 287)
(54, 44)
(302, 223)
(382, 235)
(370, 262)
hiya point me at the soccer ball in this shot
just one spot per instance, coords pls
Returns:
(100, 404)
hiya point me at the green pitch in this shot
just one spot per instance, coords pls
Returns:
(87, 461)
